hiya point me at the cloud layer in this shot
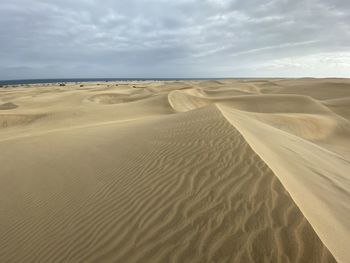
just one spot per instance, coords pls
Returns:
(183, 38)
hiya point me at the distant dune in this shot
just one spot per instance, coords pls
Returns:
(176, 171)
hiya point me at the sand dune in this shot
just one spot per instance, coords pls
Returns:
(181, 171)
(8, 106)
(340, 106)
(316, 178)
(8, 120)
(114, 98)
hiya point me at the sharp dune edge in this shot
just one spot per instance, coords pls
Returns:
(176, 171)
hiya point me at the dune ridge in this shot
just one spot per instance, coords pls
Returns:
(175, 172)
(311, 182)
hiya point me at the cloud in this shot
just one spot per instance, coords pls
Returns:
(163, 38)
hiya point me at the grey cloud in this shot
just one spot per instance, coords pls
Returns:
(163, 38)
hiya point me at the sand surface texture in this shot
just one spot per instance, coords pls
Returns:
(176, 171)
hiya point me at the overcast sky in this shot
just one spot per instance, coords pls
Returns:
(174, 38)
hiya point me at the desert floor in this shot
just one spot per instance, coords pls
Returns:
(176, 171)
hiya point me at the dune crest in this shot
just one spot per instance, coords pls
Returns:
(316, 178)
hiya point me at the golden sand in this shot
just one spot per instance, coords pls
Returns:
(176, 171)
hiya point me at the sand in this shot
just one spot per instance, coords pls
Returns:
(176, 171)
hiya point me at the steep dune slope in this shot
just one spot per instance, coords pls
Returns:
(305, 143)
(316, 178)
(300, 115)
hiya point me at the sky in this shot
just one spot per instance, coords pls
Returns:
(174, 38)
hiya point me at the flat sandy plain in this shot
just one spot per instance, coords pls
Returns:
(176, 171)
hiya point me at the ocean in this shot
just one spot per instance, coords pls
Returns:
(34, 81)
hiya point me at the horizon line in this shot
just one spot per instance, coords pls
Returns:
(81, 79)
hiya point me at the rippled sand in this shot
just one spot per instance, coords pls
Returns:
(176, 171)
